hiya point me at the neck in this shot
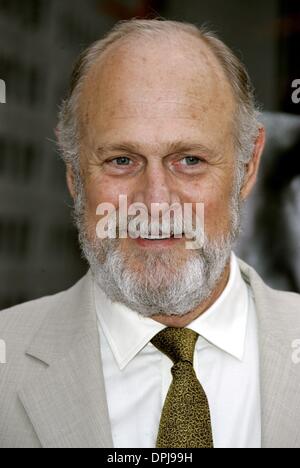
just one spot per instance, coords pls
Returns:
(185, 320)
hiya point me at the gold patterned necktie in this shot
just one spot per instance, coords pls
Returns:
(185, 421)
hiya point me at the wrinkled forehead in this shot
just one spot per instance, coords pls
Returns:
(167, 79)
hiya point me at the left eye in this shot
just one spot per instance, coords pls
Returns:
(121, 161)
(191, 160)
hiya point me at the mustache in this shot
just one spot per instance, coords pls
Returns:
(134, 225)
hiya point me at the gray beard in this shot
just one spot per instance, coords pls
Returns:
(158, 285)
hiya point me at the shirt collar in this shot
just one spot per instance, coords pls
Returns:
(223, 324)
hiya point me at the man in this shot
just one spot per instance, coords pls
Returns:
(158, 345)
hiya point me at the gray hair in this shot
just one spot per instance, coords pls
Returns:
(246, 123)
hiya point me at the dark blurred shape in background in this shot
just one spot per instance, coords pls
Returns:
(140, 9)
(289, 52)
(271, 237)
(39, 42)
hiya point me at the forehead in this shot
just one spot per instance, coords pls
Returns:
(156, 84)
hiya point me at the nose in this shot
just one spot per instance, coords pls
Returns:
(155, 186)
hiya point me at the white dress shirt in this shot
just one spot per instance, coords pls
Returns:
(137, 375)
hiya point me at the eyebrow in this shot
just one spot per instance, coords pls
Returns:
(168, 148)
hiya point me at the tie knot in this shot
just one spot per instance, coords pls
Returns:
(177, 343)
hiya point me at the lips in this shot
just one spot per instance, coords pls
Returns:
(161, 243)
(154, 238)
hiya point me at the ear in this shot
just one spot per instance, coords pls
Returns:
(69, 173)
(253, 165)
(70, 181)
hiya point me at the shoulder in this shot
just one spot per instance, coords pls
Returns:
(280, 308)
(285, 308)
(21, 322)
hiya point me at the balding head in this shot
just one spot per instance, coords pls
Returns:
(142, 82)
(183, 42)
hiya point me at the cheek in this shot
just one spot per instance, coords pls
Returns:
(217, 212)
(215, 194)
(97, 193)
(99, 190)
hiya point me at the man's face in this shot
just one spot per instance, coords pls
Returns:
(158, 129)
(157, 126)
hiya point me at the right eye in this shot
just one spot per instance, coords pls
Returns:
(121, 161)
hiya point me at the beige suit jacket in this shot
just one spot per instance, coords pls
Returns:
(52, 391)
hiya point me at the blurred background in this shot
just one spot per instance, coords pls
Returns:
(39, 42)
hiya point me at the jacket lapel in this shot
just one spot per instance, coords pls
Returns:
(67, 404)
(280, 392)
